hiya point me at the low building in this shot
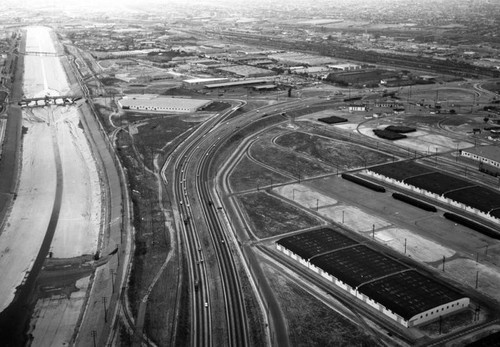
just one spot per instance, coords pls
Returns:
(242, 83)
(354, 108)
(387, 285)
(344, 67)
(202, 81)
(162, 104)
(247, 71)
(489, 155)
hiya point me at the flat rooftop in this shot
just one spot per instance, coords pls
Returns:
(315, 242)
(461, 190)
(235, 83)
(165, 102)
(490, 152)
(385, 279)
(409, 293)
(401, 170)
(438, 183)
(358, 264)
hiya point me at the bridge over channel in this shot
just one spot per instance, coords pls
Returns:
(42, 54)
(58, 100)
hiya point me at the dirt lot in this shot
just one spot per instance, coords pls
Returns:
(270, 216)
(250, 175)
(338, 153)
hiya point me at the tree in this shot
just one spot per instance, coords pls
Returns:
(486, 119)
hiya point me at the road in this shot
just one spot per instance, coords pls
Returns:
(191, 194)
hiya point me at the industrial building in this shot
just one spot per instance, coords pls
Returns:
(489, 155)
(151, 102)
(345, 67)
(444, 187)
(247, 71)
(386, 284)
(202, 81)
(242, 83)
(293, 58)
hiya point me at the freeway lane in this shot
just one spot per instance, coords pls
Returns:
(201, 307)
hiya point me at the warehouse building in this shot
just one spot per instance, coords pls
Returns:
(247, 71)
(382, 282)
(488, 155)
(162, 104)
(192, 82)
(242, 83)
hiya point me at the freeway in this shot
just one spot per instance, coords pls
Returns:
(214, 285)
(201, 306)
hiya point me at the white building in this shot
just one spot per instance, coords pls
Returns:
(489, 155)
(386, 285)
(162, 104)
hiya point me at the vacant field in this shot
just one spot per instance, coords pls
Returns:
(417, 247)
(305, 196)
(151, 239)
(333, 152)
(492, 86)
(154, 134)
(464, 271)
(433, 94)
(287, 161)
(354, 218)
(310, 321)
(249, 175)
(270, 216)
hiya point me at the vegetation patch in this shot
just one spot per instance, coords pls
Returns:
(180, 91)
(448, 324)
(400, 129)
(250, 175)
(151, 237)
(270, 216)
(311, 322)
(111, 81)
(388, 135)
(337, 153)
(332, 120)
(3, 96)
(287, 161)
(217, 106)
(364, 183)
(152, 135)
